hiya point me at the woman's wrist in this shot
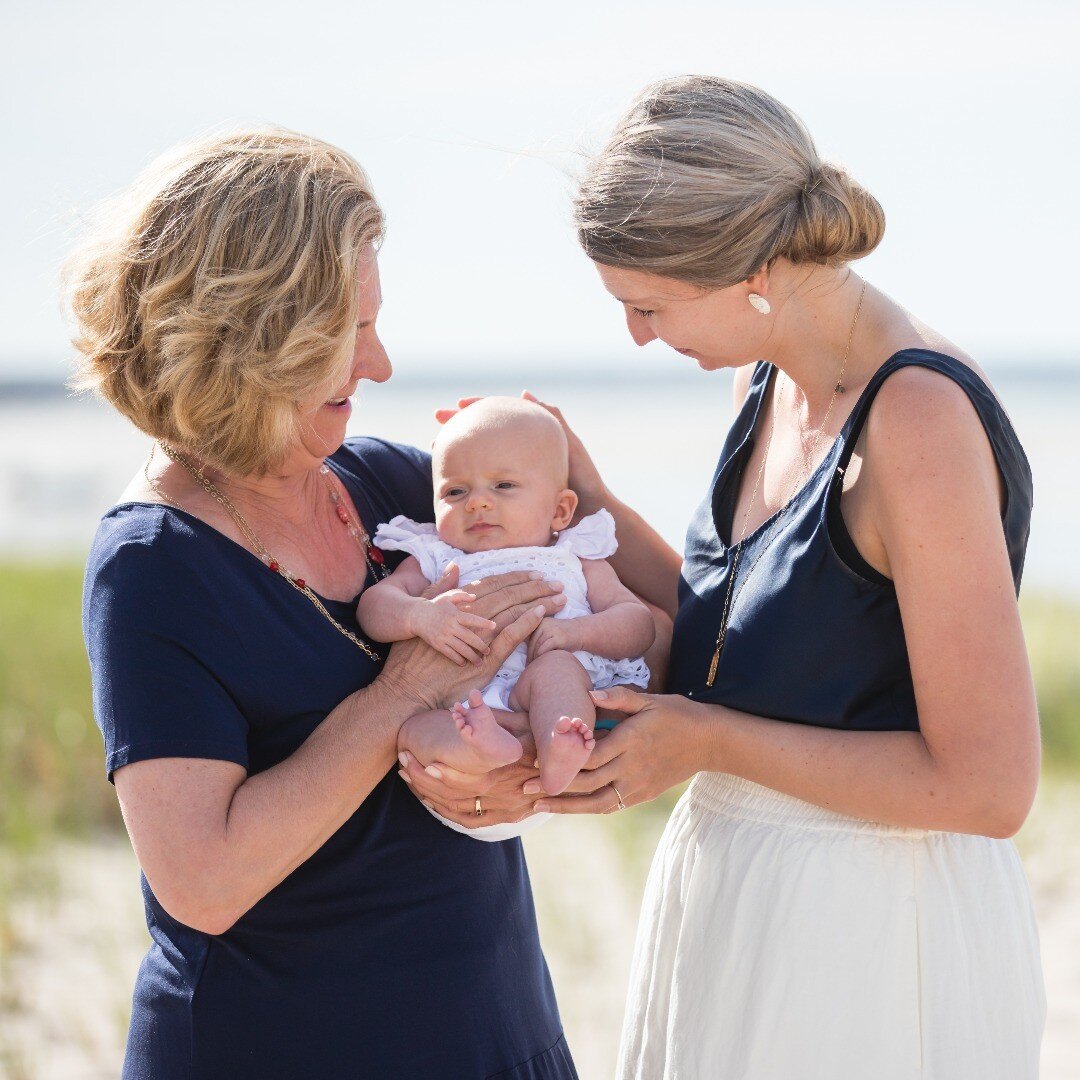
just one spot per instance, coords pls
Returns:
(703, 736)
(395, 694)
(590, 501)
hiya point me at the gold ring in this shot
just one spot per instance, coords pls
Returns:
(622, 805)
(479, 811)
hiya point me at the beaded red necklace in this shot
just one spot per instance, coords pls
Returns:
(373, 557)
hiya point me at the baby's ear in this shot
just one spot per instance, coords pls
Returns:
(565, 506)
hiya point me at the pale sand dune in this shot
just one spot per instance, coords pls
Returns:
(64, 1005)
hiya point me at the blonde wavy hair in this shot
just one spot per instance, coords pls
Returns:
(220, 291)
(707, 180)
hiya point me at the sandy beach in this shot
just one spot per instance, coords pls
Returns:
(77, 941)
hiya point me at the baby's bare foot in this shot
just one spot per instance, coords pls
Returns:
(571, 743)
(485, 743)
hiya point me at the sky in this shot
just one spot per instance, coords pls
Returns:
(473, 118)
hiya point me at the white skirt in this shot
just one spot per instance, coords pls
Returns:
(781, 941)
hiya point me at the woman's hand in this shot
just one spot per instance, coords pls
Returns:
(453, 794)
(660, 744)
(516, 603)
(585, 478)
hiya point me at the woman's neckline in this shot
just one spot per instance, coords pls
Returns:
(195, 519)
(811, 481)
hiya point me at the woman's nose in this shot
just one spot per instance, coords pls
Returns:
(371, 362)
(639, 328)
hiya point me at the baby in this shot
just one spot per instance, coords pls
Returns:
(502, 504)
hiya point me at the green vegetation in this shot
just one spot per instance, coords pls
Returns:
(51, 767)
(51, 763)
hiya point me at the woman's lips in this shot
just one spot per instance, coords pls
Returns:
(342, 404)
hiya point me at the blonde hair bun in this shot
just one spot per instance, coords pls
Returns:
(707, 179)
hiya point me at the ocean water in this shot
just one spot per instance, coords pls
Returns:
(65, 460)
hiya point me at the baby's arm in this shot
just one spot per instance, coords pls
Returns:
(620, 626)
(394, 610)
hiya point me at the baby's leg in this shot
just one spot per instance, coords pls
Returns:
(467, 738)
(554, 690)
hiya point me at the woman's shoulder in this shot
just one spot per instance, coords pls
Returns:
(924, 399)
(370, 454)
(396, 477)
(142, 548)
(935, 428)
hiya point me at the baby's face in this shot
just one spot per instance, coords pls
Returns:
(499, 488)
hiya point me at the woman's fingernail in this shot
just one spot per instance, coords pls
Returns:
(432, 771)
(539, 610)
(536, 576)
(430, 806)
(598, 694)
(557, 586)
(404, 759)
(532, 788)
(536, 764)
(404, 776)
(541, 807)
(559, 599)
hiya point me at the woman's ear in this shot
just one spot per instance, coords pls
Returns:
(758, 282)
(564, 510)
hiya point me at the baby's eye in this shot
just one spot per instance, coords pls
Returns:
(453, 493)
(505, 485)
(641, 312)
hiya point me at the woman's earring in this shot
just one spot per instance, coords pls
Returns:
(759, 303)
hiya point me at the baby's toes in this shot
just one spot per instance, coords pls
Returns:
(476, 699)
(564, 724)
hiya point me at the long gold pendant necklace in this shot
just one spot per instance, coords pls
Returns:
(732, 595)
(373, 557)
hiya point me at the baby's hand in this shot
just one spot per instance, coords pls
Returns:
(444, 626)
(553, 634)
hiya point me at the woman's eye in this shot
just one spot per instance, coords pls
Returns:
(641, 312)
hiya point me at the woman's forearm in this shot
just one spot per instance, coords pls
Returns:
(887, 776)
(645, 562)
(279, 818)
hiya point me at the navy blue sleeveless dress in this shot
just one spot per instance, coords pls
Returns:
(815, 636)
(399, 949)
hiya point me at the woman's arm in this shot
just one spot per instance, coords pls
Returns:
(973, 766)
(213, 841)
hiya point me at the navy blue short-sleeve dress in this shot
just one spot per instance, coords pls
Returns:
(400, 948)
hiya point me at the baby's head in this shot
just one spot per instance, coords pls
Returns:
(500, 469)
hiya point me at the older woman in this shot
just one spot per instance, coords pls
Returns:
(309, 917)
(834, 897)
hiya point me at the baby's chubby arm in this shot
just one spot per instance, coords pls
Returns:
(395, 610)
(620, 626)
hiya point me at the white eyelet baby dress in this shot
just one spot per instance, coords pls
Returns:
(592, 538)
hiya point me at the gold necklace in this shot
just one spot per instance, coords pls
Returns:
(731, 595)
(372, 555)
